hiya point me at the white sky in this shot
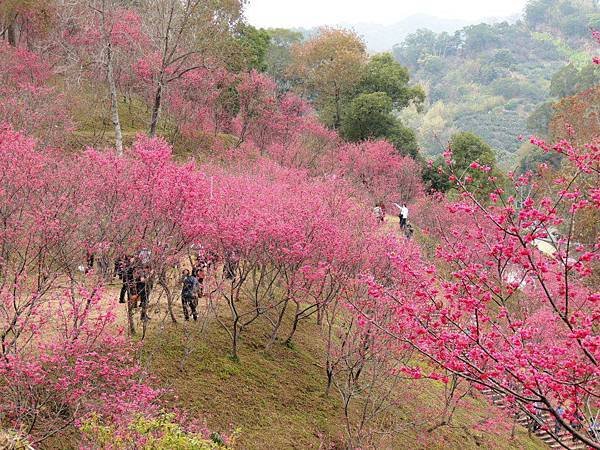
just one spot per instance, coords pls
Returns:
(308, 13)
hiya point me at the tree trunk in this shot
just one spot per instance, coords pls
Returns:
(114, 105)
(288, 340)
(112, 86)
(12, 33)
(156, 109)
(164, 284)
(277, 326)
(130, 320)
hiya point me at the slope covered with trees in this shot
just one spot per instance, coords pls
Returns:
(156, 157)
(496, 80)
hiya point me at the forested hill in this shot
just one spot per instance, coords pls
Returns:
(499, 80)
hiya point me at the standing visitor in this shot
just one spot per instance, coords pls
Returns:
(129, 286)
(89, 261)
(402, 215)
(231, 265)
(189, 295)
(198, 272)
(142, 288)
(378, 212)
(121, 267)
(560, 411)
(538, 417)
(408, 231)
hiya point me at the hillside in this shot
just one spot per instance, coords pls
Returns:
(276, 399)
(218, 237)
(490, 78)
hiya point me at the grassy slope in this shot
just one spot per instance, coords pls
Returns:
(277, 398)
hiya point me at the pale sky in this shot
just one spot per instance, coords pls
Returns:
(309, 13)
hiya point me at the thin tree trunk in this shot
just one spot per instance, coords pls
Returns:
(164, 284)
(156, 109)
(130, 320)
(288, 340)
(114, 105)
(277, 326)
(112, 86)
(12, 33)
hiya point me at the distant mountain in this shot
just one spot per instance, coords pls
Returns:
(382, 38)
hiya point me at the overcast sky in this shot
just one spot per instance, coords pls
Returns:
(308, 13)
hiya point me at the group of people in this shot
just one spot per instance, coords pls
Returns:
(405, 226)
(136, 276)
(577, 421)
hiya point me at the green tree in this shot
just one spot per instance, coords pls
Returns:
(384, 74)
(563, 81)
(415, 46)
(479, 37)
(467, 148)
(536, 12)
(279, 56)
(329, 67)
(253, 46)
(369, 116)
(538, 120)
(434, 177)
(403, 139)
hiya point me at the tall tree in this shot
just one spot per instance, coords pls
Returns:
(106, 10)
(186, 36)
(279, 56)
(382, 92)
(330, 66)
(100, 37)
(20, 19)
(384, 74)
(253, 45)
(468, 148)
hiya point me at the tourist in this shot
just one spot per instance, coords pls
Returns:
(231, 265)
(408, 231)
(189, 295)
(402, 214)
(538, 418)
(379, 212)
(142, 288)
(121, 271)
(560, 411)
(198, 271)
(127, 276)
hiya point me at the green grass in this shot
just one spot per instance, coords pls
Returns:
(277, 399)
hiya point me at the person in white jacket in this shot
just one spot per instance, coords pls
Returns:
(403, 214)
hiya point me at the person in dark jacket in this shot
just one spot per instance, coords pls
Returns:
(121, 265)
(231, 265)
(189, 295)
(142, 287)
(129, 287)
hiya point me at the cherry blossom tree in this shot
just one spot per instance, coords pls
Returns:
(29, 102)
(501, 310)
